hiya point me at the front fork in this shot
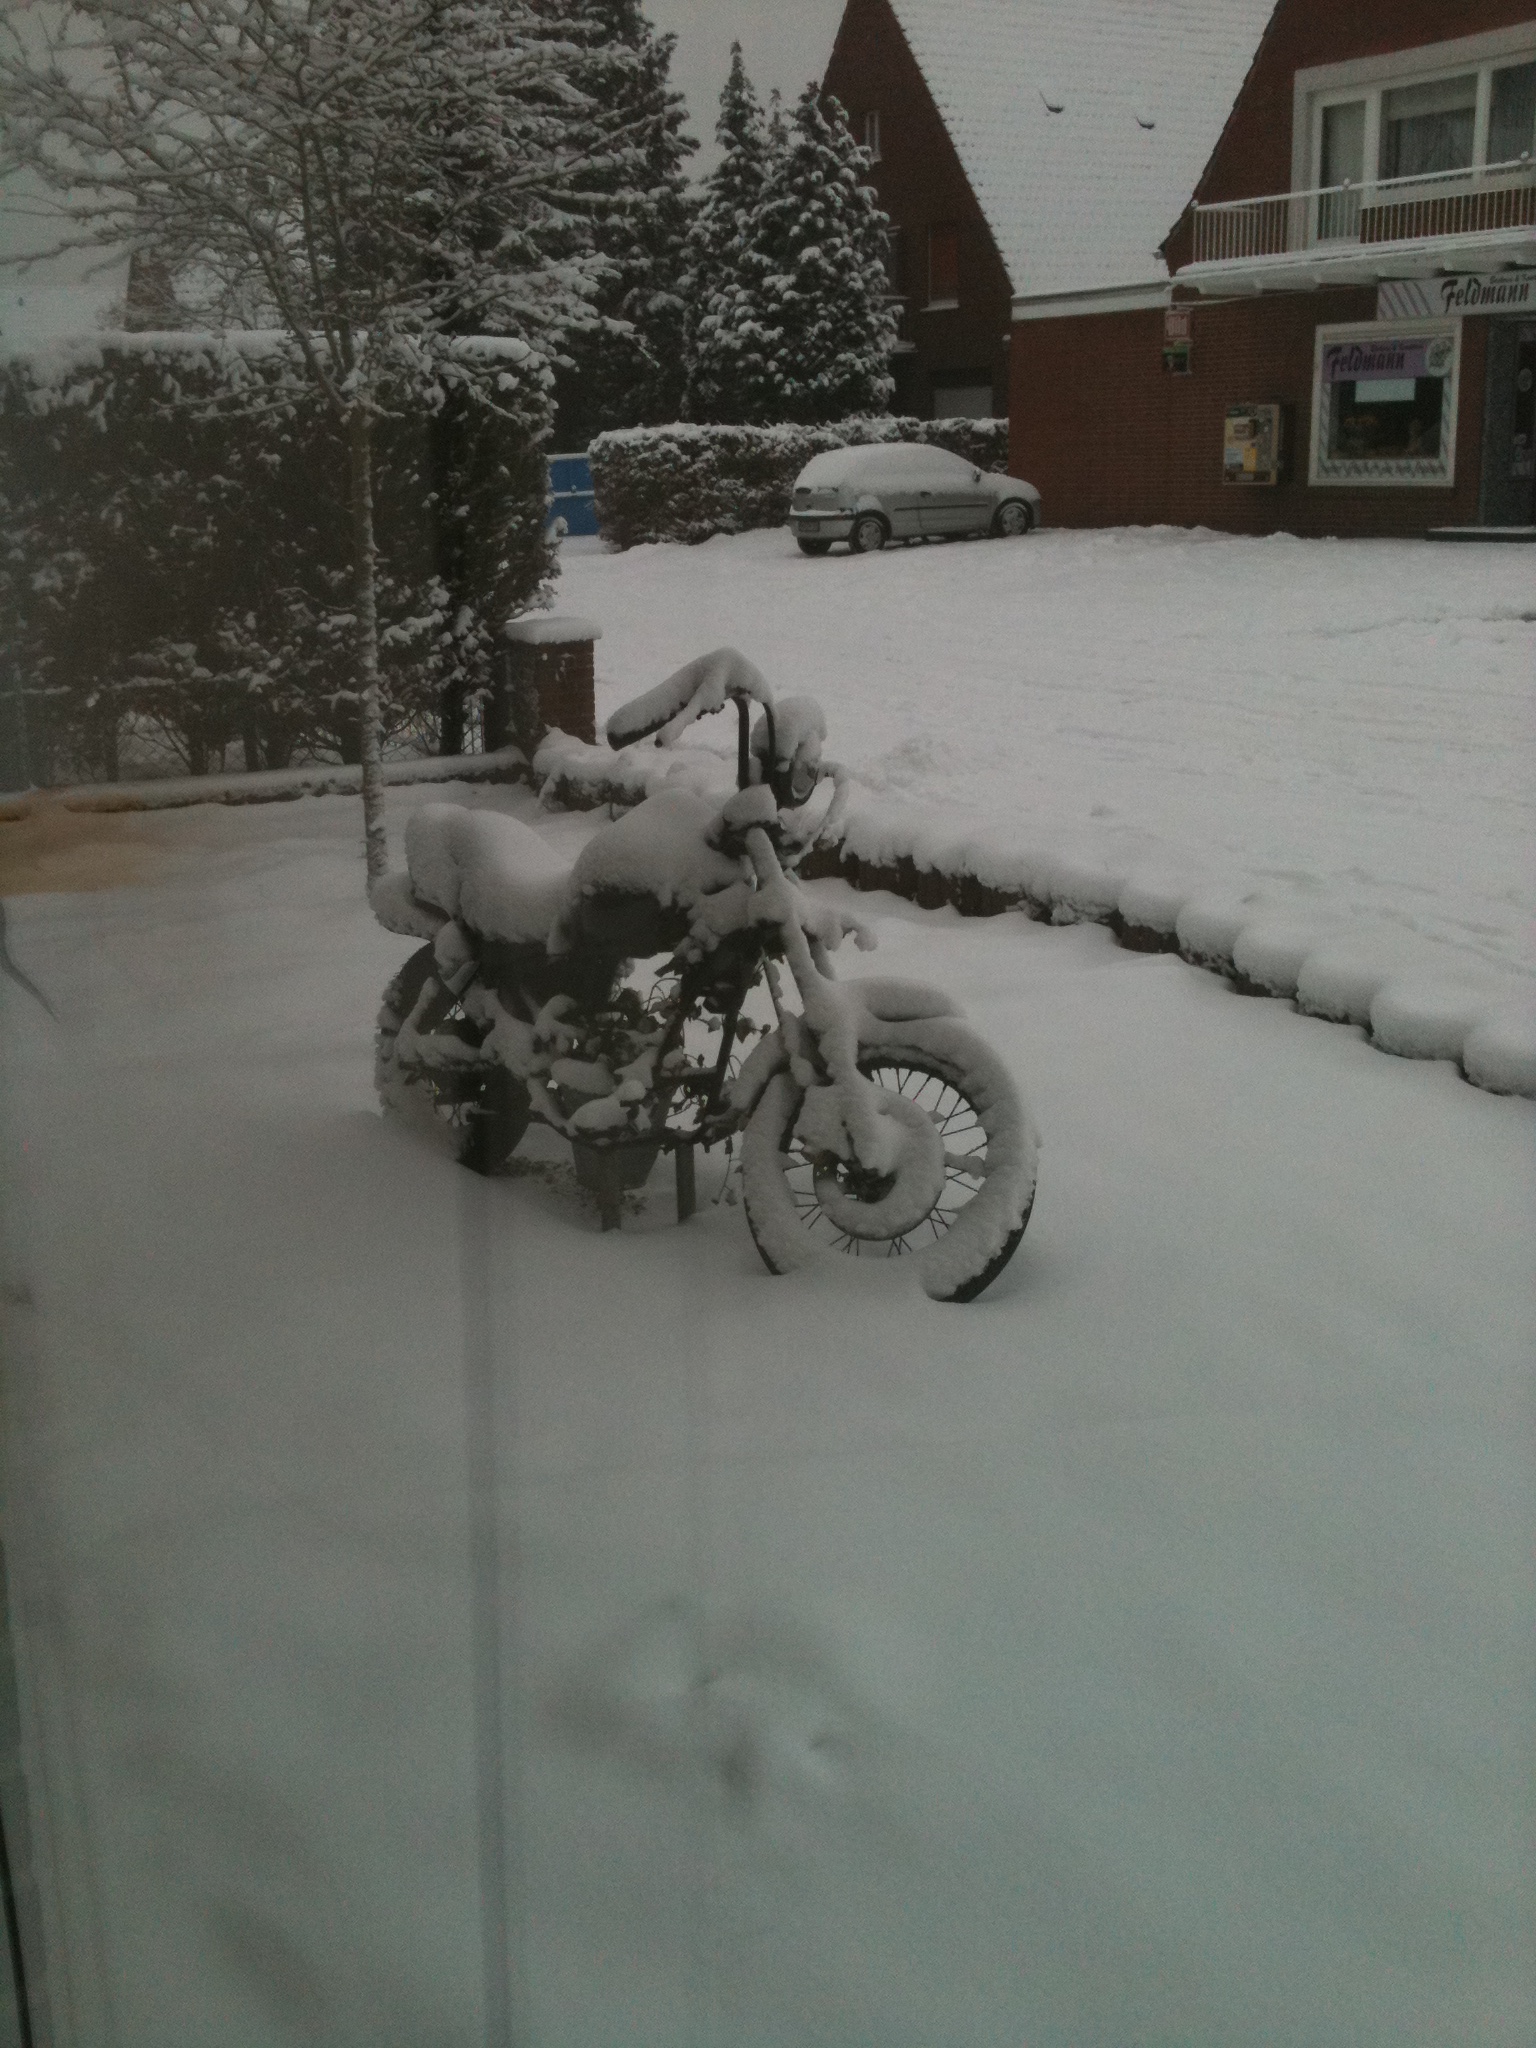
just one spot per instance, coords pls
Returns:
(848, 1121)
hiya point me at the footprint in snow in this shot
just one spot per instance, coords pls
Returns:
(748, 1708)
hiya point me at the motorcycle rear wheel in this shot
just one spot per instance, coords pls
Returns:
(984, 1203)
(483, 1109)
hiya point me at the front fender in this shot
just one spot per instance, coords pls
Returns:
(767, 1058)
(879, 1002)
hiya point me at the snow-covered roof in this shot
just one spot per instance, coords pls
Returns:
(1079, 200)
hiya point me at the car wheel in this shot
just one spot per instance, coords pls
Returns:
(1012, 518)
(813, 547)
(869, 534)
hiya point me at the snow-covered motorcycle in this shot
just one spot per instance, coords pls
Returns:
(873, 1121)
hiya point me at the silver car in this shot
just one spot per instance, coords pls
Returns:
(903, 490)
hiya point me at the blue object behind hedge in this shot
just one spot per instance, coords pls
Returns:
(570, 489)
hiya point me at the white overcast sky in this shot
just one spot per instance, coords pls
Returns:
(784, 42)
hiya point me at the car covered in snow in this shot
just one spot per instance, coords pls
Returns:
(903, 490)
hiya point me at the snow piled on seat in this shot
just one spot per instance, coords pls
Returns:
(659, 849)
(494, 873)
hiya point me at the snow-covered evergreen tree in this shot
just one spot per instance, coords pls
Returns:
(718, 241)
(388, 181)
(807, 330)
(629, 371)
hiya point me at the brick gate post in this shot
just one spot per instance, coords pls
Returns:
(548, 681)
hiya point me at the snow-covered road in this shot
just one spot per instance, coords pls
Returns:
(1348, 725)
(1145, 1653)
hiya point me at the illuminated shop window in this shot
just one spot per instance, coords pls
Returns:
(1384, 403)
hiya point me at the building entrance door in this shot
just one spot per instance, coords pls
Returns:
(1509, 425)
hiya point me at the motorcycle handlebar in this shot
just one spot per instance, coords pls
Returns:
(700, 687)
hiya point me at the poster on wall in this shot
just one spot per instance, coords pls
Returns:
(1253, 444)
(1384, 403)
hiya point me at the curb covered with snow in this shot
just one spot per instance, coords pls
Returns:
(264, 786)
(1412, 997)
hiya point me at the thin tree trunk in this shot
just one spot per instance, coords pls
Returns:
(448, 555)
(364, 564)
(450, 729)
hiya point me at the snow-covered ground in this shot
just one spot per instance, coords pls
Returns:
(1349, 727)
(1146, 1653)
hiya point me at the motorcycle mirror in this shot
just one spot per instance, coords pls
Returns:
(701, 686)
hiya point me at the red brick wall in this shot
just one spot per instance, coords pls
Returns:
(557, 679)
(920, 183)
(1253, 156)
(1110, 438)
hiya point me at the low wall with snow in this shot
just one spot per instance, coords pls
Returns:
(1410, 996)
(266, 786)
(687, 482)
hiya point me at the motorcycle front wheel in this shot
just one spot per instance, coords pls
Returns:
(482, 1108)
(801, 1205)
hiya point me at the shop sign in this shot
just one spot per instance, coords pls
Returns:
(1345, 362)
(1428, 298)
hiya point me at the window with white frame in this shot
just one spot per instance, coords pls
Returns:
(1384, 397)
(1426, 123)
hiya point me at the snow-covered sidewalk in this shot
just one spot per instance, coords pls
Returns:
(1146, 1652)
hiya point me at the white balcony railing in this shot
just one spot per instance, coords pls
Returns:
(1469, 202)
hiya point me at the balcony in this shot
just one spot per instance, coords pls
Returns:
(1389, 227)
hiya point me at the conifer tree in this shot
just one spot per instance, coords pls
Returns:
(717, 241)
(807, 332)
(629, 369)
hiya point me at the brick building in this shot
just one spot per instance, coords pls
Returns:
(1339, 332)
(1354, 273)
(1029, 152)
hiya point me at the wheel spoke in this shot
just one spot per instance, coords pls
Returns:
(958, 1123)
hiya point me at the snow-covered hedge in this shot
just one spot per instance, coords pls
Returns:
(1410, 996)
(686, 482)
(177, 548)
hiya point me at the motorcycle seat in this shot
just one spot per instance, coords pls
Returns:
(491, 872)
